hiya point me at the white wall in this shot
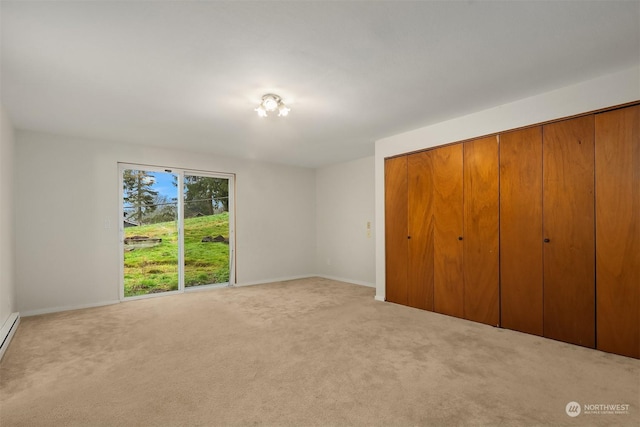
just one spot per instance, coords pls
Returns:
(605, 91)
(7, 280)
(344, 206)
(66, 191)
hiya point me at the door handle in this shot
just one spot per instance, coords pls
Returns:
(546, 240)
(459, 237)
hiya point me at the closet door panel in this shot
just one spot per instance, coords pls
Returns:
(448, 282)
(618, 231)
(396, 250)
(420, 273)
(481, 256)
(521, 267)
(568, 221)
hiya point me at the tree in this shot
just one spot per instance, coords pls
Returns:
(165, 210)
(138, 193)
(204, 194)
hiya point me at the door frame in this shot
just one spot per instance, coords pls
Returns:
(180, 172)
(232, 186)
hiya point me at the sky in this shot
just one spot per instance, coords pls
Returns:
(164, 184)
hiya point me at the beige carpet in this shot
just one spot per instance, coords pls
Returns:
(300, 353)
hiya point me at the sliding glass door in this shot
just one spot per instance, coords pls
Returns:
(150, 225)
(176, 230)
(207, 252)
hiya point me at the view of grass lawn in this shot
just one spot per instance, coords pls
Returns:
(155, 268)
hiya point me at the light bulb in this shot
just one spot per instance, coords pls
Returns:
(284, 110)
(270, 104)
(261, 111)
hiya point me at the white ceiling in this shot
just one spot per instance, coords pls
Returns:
(187, 74)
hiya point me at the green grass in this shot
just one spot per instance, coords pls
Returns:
(155, 269)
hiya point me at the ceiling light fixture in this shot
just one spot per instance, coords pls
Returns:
(270, 103)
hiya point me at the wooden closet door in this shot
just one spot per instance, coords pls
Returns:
(396, 250)
(618, 231)
(521, 230)
(568, 231)
(420, 273)
(448, 283)
(481, 255)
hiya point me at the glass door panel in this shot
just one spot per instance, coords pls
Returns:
(206, 230)
(150, 231)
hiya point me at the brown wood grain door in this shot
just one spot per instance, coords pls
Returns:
(420, 273)
(481, 228)
(569, 231)
(448, 283)
(396, 249)
(618, 231)
(521, 305)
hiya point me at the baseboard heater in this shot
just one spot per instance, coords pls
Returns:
(6, 333)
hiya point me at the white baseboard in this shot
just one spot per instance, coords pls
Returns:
(379, 298)
(277, 279)
(8, 330)
(342, 279)
(306, 276)
(36, 312)
(28, 313)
